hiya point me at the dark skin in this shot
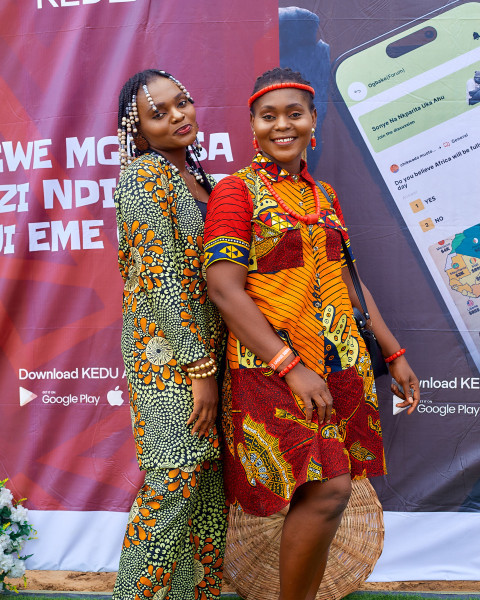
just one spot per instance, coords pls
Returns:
(169, 131)
(282, 121)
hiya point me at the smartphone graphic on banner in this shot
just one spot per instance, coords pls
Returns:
(415, 98)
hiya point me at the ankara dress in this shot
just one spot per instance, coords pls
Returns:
(174, 542)
(294, 275)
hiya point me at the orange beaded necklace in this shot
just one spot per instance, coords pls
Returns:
(309, 219)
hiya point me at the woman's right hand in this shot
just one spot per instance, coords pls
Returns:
(313, 392)
(205, 404)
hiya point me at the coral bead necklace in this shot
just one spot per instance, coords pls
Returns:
(309, 219)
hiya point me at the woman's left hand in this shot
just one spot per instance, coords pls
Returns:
(404, 376)
(205, 403)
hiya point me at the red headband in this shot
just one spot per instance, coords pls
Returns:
(279, 86)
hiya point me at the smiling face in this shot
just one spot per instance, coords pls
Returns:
(174, 126)
(283, 122)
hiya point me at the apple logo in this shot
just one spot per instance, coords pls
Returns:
(114, 397)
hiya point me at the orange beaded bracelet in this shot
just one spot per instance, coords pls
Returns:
(395, 355)
(289, 367)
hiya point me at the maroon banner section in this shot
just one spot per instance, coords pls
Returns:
(65, 431)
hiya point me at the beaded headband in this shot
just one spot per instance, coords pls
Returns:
(279, 86)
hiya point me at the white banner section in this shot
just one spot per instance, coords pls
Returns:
(418, 546)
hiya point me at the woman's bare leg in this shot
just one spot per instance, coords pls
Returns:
(308, 530)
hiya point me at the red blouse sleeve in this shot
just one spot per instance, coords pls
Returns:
(228, 226)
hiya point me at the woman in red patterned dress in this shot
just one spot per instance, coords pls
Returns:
(300, 409)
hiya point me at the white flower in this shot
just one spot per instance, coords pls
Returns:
(13, 519)
(5, 543)
(6, 497)
(19, 514)
(6, 562)
(18, 568)
(15, 544)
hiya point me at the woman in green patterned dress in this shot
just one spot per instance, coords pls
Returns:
(171, 340)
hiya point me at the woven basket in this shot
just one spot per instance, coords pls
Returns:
(253, 544)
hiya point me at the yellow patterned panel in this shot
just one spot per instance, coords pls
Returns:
(342, 425)
(330, 431)
(267, 240)
(262, 460)
(227, 420)
(281, 413)
(231, 251)
(246, 358)
(340, 336)
(362, 476)
(315, 471)
(361, 453)
(375, 425)
(364, 369)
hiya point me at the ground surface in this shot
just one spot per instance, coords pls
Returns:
(74, 581)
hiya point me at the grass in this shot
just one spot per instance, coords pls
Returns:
(407, 596)
(49, 595)
(354, 596)
(79, 596)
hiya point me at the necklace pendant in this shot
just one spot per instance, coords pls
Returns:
(311, 219)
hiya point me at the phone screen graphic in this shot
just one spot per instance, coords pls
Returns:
(417, 107)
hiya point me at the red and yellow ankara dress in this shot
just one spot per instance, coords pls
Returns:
(295, 278)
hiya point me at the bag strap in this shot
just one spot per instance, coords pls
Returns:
(356, 281)
(351, 267)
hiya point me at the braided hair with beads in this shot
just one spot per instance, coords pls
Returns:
(131, 145)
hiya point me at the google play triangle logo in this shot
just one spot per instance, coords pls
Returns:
(26, 396)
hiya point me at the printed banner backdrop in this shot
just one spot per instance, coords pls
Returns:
(65, 432)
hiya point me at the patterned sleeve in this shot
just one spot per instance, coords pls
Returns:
(150, 260)
(336, 207)
(228, 226)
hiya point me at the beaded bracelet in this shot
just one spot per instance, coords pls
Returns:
(395, 355)
(212, 371)
(279, 358)
(289, 367)
(201, 367)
